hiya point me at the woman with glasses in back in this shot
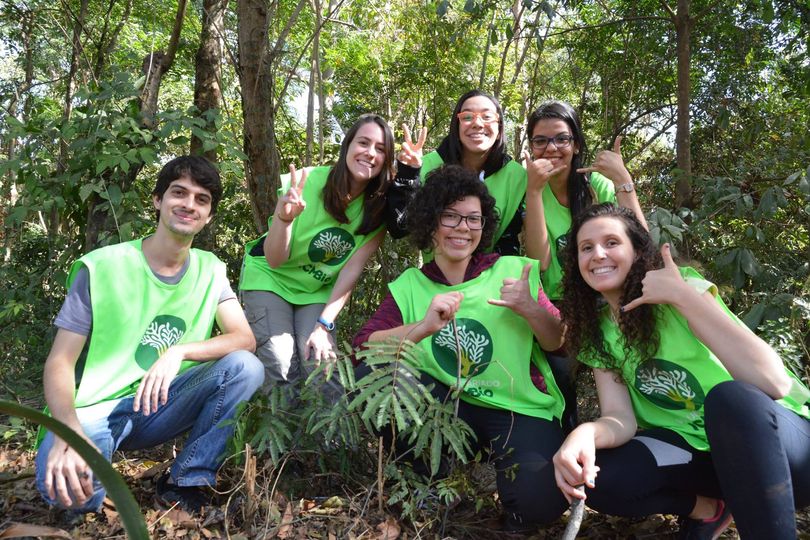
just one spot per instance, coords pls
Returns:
(476, 142)
(559, 189)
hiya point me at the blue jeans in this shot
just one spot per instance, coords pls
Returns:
(199, 400)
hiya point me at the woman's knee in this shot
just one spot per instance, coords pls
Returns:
(734, 404)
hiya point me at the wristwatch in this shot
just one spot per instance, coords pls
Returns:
(330, 326)
(629, 187)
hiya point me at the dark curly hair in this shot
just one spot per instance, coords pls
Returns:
(579, 192)
(581, 305)
(443, 187)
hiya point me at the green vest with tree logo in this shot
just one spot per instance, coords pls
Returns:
(498, 348)
(319, 248)
(668, 390)
(136, 317)
(558, 223)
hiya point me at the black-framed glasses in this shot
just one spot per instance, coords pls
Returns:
(563, 140)
(468, 117)
(475, 222)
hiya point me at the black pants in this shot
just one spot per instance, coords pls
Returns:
(761, 453)
(759, 464)
(521, 448)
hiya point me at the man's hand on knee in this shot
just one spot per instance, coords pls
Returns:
(67, 473)
(154, 388)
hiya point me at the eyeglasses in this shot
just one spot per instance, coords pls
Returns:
(452, 220)
(560, 141)
(468, 117)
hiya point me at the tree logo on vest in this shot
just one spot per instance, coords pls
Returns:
(474, 341)
(562, 245)
(669, 385)
(163, 332)
(331, 246)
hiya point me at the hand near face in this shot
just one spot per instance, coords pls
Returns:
(411, 153)
(660, 286)
(154, 388)
(610, 164)
(538, 171)
(291, 204)
(516, 295)
(442, 310)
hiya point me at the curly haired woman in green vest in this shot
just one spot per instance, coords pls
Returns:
(723, 426)
(483, 321)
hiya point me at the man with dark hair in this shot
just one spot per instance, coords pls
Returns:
(152, 371)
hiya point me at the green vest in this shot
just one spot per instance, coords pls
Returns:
(507, 186)
(558, 223)
(319, 248)
(668, 390)
(136, 317)
(498, 347)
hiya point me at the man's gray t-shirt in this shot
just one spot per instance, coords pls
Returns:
(76, 314)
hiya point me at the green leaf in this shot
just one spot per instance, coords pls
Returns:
(792, 178)
(748, 262)
(546, 7)
(114, 193)
(85, 190)
(753, 318)
(435, 451)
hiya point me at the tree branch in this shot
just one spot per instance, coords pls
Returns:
(668, 9)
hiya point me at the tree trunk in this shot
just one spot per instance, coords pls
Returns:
(683, 153)
(208, 92)
(155, 65)
(207, 73)
(70, 86)
(262, 167)
(314, 84)
(8, 187)
(106, 45)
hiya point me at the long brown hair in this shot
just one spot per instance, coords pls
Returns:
(581, 305)
(338, 183)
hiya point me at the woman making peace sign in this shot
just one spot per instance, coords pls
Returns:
(724, 426)
(297, 278)
(476, 142)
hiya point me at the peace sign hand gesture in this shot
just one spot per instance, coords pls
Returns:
(292, 203)
(663, 286)
(411, 153)
(539, 171)
(611, 165)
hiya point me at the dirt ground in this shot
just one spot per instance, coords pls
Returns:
(255, 504)
(239, 517)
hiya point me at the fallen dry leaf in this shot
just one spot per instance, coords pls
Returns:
(285, 528)
(389, 529)
(20, 530)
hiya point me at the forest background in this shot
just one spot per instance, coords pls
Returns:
(712, 98)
